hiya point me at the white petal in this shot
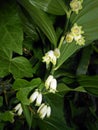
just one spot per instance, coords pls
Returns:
(34, 96)
(39, 100)
(43, 112)
(20, 111)
(48, 111)
(17, 107)
(48, 81)
(42, 105)
(57, 53)
(53, 84)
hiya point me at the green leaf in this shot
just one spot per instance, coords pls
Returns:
(18, 66)
(84, 61)
(7, 116)
(89, 83)
(11, 34)
(27, 115)
(24, 91)
(55, 7)
(21, 67)
(20, 83)
(56, 120)
(41, 20)
(5, 56)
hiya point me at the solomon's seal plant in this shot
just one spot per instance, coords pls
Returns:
(48, 64)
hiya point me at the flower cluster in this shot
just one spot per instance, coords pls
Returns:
(76, 34)
(44, 110)
(76, 5)
(36, 96)
(51, 84)
(51, 56)
(18, 109)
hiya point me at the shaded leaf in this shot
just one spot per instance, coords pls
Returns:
(11, 34)
(55, 7)
(41, 20)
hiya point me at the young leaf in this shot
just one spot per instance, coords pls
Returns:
(11, 34)
(41, 20)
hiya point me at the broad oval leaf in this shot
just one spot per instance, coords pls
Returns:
(21, 67)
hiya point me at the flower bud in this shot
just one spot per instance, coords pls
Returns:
(69, 38)
(57, 53)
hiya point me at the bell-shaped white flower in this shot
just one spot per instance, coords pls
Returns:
(50, 57)
(34, 96)
(48, 81)
(18, 109)
(44, 110)
(81, 41)
(53, 85)
(39, 99)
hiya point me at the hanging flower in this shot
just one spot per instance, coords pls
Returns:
(18, 109)
(51, 56)
(51, 84)
(44, 110)
(76, 5)
(36, 96)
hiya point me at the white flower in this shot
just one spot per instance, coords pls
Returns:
(18, 109)
(69, 37)
(39, 99)
(51, 84)
(48, 111)
(80, 41)
(57, 53)
(76, 5)
(48, 81)
(36, 96)
(76, 30)
(44, 110)
(49, 57)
